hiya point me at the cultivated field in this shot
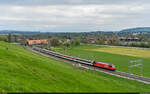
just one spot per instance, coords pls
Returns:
(25, 71)
(114, 55)
(143, 53)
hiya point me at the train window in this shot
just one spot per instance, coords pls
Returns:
(111, 65)
(94, 62)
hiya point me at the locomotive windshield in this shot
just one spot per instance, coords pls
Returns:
(112, 65)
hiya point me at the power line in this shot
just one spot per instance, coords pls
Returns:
(135, 63)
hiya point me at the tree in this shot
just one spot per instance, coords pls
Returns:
(9, 37)
(100, 41)
(3, 38)
(83, 40)
(117, 42)
(23, 39)
(75, 42)
(134, 44)
(149, 44)
(15, 38)
(67, 44)
(54, 42)
(143, 44)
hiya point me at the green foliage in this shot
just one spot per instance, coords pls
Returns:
(134, 44)
(143, 44)
(15, 38)
(84, 41)
(67, 44)
(9, 38)
(101, 41)
(117, 42)
(75, 42)
(23, 39)
(149, 44)
(3, 38)
(54, 42)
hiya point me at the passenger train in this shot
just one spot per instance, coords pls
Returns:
(76, 59)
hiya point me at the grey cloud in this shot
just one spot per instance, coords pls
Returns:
(73, 15)
(71, 2)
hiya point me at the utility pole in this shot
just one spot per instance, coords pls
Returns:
(136, 63)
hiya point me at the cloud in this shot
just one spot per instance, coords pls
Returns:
(70, 2)
(73, 15)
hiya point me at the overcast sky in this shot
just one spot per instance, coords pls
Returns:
(73, 15)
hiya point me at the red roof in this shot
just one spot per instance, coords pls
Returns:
(92, 39)
(31, 42)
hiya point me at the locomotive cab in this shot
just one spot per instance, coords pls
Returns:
(112, 67)
(94, 62)
(104, 65)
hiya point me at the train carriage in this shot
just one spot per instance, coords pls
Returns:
(79, 60)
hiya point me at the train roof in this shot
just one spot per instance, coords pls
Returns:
(104, 63)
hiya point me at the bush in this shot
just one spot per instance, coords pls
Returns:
(3, 38)
(75, 42)
(54, 42)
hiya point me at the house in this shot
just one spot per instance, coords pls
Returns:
(129, 39)
(92, 40)
(110, 39)
(35, 42)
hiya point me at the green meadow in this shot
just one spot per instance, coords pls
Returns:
(22, 70)
(113, 55)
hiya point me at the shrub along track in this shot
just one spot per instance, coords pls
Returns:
(116, 73)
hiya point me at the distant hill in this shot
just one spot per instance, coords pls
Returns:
(94, 33)
(18, 32)
(138, 29)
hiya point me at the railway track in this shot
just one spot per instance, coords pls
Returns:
(116, 73)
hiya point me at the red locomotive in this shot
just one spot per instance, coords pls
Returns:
(89, 62)
(104, 65)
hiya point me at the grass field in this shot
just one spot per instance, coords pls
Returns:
(117, 56)
(24, 71)
(143, 53)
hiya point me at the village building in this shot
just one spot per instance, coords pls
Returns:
(110, 39)
(129, 39)
(36, 42)
(92, 40)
